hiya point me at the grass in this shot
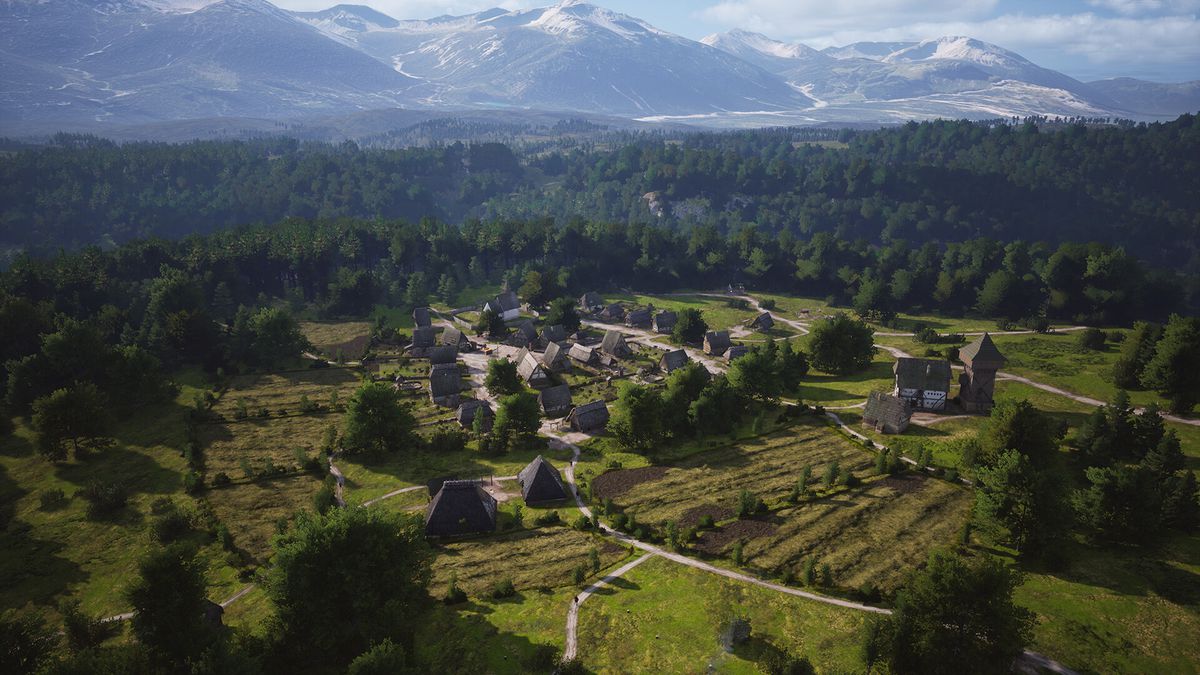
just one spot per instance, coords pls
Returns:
(718, 314)
(665, 618)
(820, 388)
(252, 511)
(329, 336)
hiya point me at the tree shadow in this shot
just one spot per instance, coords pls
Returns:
(31, 569)
(137, 471)
(1134, 571)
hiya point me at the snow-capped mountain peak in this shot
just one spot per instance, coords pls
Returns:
(738, 39)
(571, 18)
(958, 48)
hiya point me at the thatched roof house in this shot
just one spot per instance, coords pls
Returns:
(505, 305)
(443, 354)
(583, 354)
(460, 507)
(886, 413)
(591, 302)
(638, 318)
(555, 358)
(552, 334)
(541, 483)
(763, 322)
(424, 338)
(614, 345)
(589, 417)
(673, 360)
(664, 321)
(716, 342)
(444, 384)
(735, 352)
(454, 337)
(524, 335)
(472, 408)
(924, 383)
(421, 318)
(555, 401)
(612, 313)
(531, 370)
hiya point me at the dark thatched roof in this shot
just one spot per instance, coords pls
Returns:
(555, 401)
(530, 368)
(555, 357)
(540, 482)
(589, 416)
(590, 301)
(716, 342)
(887, 412)
(504, 302)
(460, 507)
(524, 334)
(639, 318)
(582, 353)
(735, 352)
(664, 321)
(424, 337)
(613, 312)
(453, 337)
(443, 354)
(420, 316)
(982, 353)
(614, 344)
(763, 321)
(922, 374)
(444, 380)
(470, 408)
(673, 360)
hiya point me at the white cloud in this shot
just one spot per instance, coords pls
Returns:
(414, 9)
(1142, 7)
(825, 16)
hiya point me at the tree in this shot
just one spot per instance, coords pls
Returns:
(841, 345)
(1014, 499)
(490, 324)
(1136, 352)
(562, 313)
(537, 289)
(756, 374)
(636, 420)
(73, 419)
(25, 641)
(1174, 370)
(447, 288)
(690, 327)
(377, 420)
(168, 601)
(957, 616)
(1017, 425)
(718, 409)
(517, 419)
(502, 378)
(1121, 504)
(385, 658)
(325, 562)
(276, 338)
(1092, 339)
(684, 386)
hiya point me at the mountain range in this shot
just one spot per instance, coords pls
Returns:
(94, 64)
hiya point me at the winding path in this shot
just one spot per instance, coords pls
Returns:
(570, 649)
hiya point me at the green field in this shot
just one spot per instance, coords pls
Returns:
(717, 313)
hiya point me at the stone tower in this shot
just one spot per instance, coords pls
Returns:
(977, 384)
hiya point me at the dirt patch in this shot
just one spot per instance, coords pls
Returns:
(692, 517)
(714, 542)
(616, 483)
(906, 483)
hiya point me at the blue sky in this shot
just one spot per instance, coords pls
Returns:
(1088, 39)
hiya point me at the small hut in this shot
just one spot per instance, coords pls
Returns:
(552, 334)
(589, 417)
(886, 413)
(638, 318)
(421, 318)
(525, 335)
(614, 345)
(505, 305)
(453, 337)
(555, 401)
(924, 383)
(460, 507)
(472, 408)
(735, 352)
(443, 354)
(673, 360)
(531, 370)
(541, 483)
(763, 322)
(555, 358)
(613, 313)
(664, 322)
(591, 302)
(422, 340)
(716, 342)
(582, 354)
(444, 384)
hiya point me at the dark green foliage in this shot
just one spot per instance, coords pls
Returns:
(748, 504)
(384, 658)
(168, 601)
(684, 387)
(841, 345)
(768, 371)
(268, 338)
(957, 616)
(1136, 352)
(690, 327)
(502, 378)
(25, 641)
(51, 500)
(1020, 501)
(311, 579)
(832, 471)
(562, 312)
(548, 518)
(171, 524)
(377, 420)
(81, 630)
(70, 420)
(1017, 425)
(448, 439)
(517, 419)
(637, 417)
(1174, 370)
(503, 589)
(1122, 504)
(718, 409)
(537, 289)
(1091, 338)
(324, 499)
(104, 498)
(490, 324)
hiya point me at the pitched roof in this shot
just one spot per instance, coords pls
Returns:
(674, 360)
(453, 336)
(638, 317)
(614, 343)
(555, 399)
(589, 416)
(922, 374)
(443, 354)
(582, 353)
(555, 357)
(505, 302)
(541, 482)
(444, 380)
(982, 351)
(591, 299)
(524, 333)
(460, 507)
(665, 320)
(613, 312)
(555, 333)
(887, 409)
(470, 408)
(424, 337)
(763, 321)
(735, 351)
(716, 341)
(420, 316)
(529, 367)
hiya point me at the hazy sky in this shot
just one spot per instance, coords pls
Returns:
(1088, 39)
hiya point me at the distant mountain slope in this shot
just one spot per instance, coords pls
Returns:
(1150, 98)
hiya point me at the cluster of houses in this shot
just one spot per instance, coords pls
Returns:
(924, 384)
(462, 507)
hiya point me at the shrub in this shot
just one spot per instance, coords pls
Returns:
(171, 525)
(582, 523)
(1091, 339)
(551, 518)
(579, 574)
(193, 482)
(308, 406)
(926, 335)
(768, 304)
(737, 554)
(82, 630)
(846, 477)
(503, 589)
(826, 576)
(707, 522)
(324, 499)
(222, 479)
(454, 594)
(748, 504)
(224, 537)
(447, 440)
(242, 411)
(104, 499)
(809, 572)
(52, 499)
(831, 474)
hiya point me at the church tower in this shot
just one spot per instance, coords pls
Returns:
(977, 384)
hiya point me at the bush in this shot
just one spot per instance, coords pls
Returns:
(83, 631)
(582, 523)
(193, 482)
(768, 304)
(171, 525)
(503, 589)
(846, 477)
(748, 504)
(707, 522)
(104, 499)
(308, 406)
(224, 537)
(52, 499)
(324, 500)
(1091, 339)
(447, 440)
(737, 554)
(579, 574)
(926, 335)
(222, 479)
(551, 518)
(831, 474)
(454, 594)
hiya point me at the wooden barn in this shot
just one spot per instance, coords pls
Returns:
(505, 305)
(471, 409)
(673, 360)
(460, 507)
(735, 352)
(614, 345)
(555, 358)
(924, 383)
(552, 334)
(524, 335)
(445, 384)
(664, 322)
(582, 354)
(555, 401)
(421, 317)
(453, 337)
(589, 417)
(591, 302)
(613, 313)
(763, 322)
(716, 342)
(443, 354)
(886, 413)
(638, 318)
(531, 370)
(541, 483)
